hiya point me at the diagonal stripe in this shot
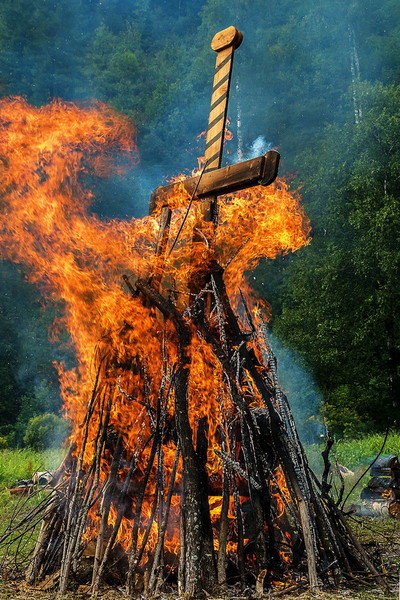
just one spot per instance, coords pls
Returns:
(224, 62)
(220, 99)
(215, 121)
(221, 82)
(210, 162)
(214, 139)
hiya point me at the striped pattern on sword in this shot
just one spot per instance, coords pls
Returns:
(219, 104)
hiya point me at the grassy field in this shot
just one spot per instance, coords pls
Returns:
(353, 453)
(21, 464)
(381, 536)
(16, 465)
(356, 455)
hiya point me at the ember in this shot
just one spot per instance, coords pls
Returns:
(185, 465)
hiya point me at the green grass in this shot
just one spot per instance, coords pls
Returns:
(21, 464)
(352, 453)
(356, 455)
(15, 465)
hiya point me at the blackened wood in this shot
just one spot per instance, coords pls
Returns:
(130, 583)
(91, 486)
(262, 170)
(120, 513)
(223, 520)
(259, 518)
(161, 247)
(279, 436)
(356, 550)
(385, 465)
(50, 526)
(192, 508)
(108, 494)
(182, 546)
(156, 572)
(326, 487)
(139, 553)
(201, 451)
(76, 513)
(199, 565)
(379, 482)
(240, 533)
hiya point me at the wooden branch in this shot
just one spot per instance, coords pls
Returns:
(108, 492)
(74, 502)
(138, 513)
(162, 241)
(156, 572)
(120, 512)
(198, 561)
(309, 544)
(240, 531)
(326, 487)
(223, 520)
(256, 171)
(51, 521)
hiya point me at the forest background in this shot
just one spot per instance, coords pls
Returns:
(316, 79)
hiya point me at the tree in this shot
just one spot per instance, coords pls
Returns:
(45, 431)
(341, 297)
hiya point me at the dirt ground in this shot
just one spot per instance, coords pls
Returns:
(19, 591)
(380, 536)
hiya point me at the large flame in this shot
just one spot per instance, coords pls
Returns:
(123, 349)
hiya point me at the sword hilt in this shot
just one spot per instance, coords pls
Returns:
(224, 43)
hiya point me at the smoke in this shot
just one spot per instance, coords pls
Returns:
(259, 146)
(256, 148)
(28, 377)
(303, 395)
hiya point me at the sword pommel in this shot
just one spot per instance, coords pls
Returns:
(227, 37)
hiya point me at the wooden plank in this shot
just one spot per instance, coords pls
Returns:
(256, 171)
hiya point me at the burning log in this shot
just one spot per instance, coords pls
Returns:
(259, 440)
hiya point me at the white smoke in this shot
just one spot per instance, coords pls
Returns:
(256, 148)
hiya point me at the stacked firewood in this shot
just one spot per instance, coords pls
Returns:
(283, 523)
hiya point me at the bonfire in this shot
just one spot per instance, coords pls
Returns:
(185, 470)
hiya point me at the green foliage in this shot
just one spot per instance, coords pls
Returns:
(45, 431)
(364, 449)
(341, 295)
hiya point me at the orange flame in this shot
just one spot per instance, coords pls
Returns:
(120, 344)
